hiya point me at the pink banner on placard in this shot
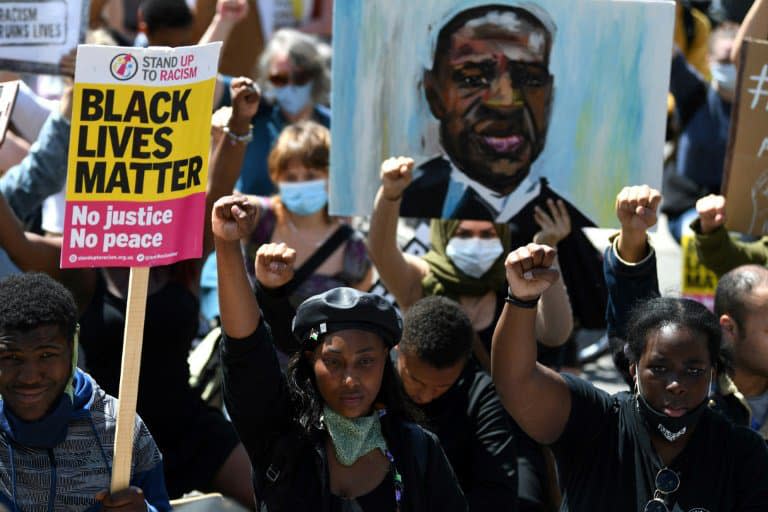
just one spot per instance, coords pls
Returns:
(132, 234)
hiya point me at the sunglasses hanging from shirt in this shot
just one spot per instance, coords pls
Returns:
(667, 482)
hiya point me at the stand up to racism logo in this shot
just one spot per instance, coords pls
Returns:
(124, 66)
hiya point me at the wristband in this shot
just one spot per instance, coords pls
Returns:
(235, 138)
(526, 304)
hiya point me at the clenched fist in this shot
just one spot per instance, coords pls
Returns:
(233, 217)
(529, 271)
(274, 265)
(396, 175)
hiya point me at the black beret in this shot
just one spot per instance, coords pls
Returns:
(346, 308)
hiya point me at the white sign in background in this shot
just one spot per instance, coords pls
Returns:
(35, 34)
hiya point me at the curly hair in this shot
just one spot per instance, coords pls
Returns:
(308, 403)
(650, 316)
(31, 300)
(438, 332)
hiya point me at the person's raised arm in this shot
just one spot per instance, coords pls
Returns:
(233, 218)
(229, 152)
(400, 273)
(536, 397)
(755, 25)
(554, 316)
(228, 14)
(274, 268)
(630, 272)
(716, 249)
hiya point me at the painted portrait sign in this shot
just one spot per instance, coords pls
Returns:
(499, 103)
(35, 34)
(746, 178)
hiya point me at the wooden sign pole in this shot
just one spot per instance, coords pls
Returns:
(129, 377)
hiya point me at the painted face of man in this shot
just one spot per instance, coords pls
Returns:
(492, 91)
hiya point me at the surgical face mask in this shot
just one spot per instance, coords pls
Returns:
(293, 98)
(724, 74)
(668, 427)
(474, 256)
(304, 197)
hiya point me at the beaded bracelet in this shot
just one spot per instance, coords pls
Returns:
(527, 304)
(235, 138)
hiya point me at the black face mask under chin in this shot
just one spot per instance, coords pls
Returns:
(668, 427)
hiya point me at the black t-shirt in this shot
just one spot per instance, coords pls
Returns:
(380, 499)
(477, 437)
(606, 460)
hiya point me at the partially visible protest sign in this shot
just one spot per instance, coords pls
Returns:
(35, 34)
(8, 91)
(699, 282)
(746, 177)
(138, 155)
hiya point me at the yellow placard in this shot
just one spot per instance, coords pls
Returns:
(139, 143)
(698, 280)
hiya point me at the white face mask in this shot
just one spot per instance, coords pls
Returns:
(474, 256)
(724, 75)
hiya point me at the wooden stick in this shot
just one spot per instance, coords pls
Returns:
(129, 377)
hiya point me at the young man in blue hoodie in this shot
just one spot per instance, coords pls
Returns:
(57, 427)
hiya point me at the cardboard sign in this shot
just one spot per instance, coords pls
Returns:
(8, 91)
(746, 178)
(35, 34)
(499, 103)
(138, 155)
(699, 282)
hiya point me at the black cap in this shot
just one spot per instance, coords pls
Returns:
(346, 308)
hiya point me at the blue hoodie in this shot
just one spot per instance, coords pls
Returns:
(62, 461)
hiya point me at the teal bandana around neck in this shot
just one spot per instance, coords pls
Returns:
(353, 437)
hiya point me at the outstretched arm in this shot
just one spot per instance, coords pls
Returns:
(233, 217)
(536, 397)
(401, 273)
(629, 268)
(229, 153)
(716, 249)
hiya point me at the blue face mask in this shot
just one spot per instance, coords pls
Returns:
(304, 197)
(724, 74)
(293, 98)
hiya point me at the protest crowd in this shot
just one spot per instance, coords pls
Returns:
(307, 361)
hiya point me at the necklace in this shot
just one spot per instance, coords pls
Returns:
(295, 230)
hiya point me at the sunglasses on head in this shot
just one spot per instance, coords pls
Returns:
(667, 482)
(296, 78)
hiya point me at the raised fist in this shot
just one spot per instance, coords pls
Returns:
(233, 217)
(396, 175)
(246, 96)
(274, 265)
(529, 271)
(636, 208)
(711, 210)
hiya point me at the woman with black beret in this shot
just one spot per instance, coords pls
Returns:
(334, 433)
